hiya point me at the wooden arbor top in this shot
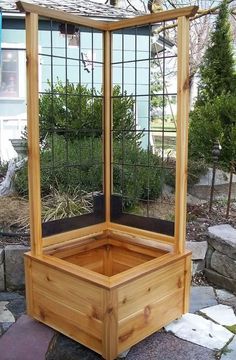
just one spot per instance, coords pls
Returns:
(26, 7)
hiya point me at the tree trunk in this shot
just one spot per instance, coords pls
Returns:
(6, 186)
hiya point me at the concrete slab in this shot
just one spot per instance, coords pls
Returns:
(196, 329)
(222, 314)
(224, 295)
(124, 354)
(5, 315)
(26, 339)
(201, 297)
(230, 352)
(166, 346)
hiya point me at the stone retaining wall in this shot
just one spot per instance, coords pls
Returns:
(218, 258)
(221, 256)
(12, 267)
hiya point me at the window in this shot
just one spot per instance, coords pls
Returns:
(9, 81)
(12, 71)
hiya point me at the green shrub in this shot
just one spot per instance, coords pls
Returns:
(211, 122)
(63, 174)
(72, 109)
(217, 70)
(214, 116)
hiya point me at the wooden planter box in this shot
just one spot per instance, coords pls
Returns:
(109, 291)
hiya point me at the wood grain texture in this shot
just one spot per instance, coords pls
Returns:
(188, 11)
(75, 271)
(150, 319)
(150, 288)
(187, 283)
(132, 245)
(69, 237)
(91, 259)
(106, 256)
(76, 247)
(131, 258)
(118, 267)
(148, 267)
(108, 261)
(182, 133)
(33, 133)
(28, 285)
(67, 320)
(50, 304)
(60, 15)
(110, 325)
(107, 123)
(108, 320)
(68, 290)
(160, 238)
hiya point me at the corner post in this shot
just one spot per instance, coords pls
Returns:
(182, 133)
(107, 123)
(110, 324)
(33, 133)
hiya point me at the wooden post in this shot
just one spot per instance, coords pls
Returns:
(187, 283)
(110, 324)
(182, 133)
(107, 123)
(33, 133)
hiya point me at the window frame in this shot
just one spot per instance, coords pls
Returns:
(21, 68)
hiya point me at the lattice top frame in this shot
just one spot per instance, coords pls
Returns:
(182, 16)
(187, 12)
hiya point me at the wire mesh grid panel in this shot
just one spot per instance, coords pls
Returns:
(144, 67)
(71, 125)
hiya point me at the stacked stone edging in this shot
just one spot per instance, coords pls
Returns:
(12, 275)
(2, 277)
(221, 256)
(198, 249)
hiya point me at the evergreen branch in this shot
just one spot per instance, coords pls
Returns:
(200, 13)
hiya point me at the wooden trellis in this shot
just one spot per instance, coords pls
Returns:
(109, 283)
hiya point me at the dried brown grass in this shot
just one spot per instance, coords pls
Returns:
(12, 209)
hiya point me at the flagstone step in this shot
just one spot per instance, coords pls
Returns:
(27, 339)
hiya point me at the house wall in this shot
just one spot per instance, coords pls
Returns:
(13, 38)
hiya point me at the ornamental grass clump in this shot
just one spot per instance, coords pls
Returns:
(59, 205)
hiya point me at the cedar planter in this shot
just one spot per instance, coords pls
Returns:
(109, 291)
(107, 279)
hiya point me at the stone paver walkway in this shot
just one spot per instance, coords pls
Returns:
(27, 339)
